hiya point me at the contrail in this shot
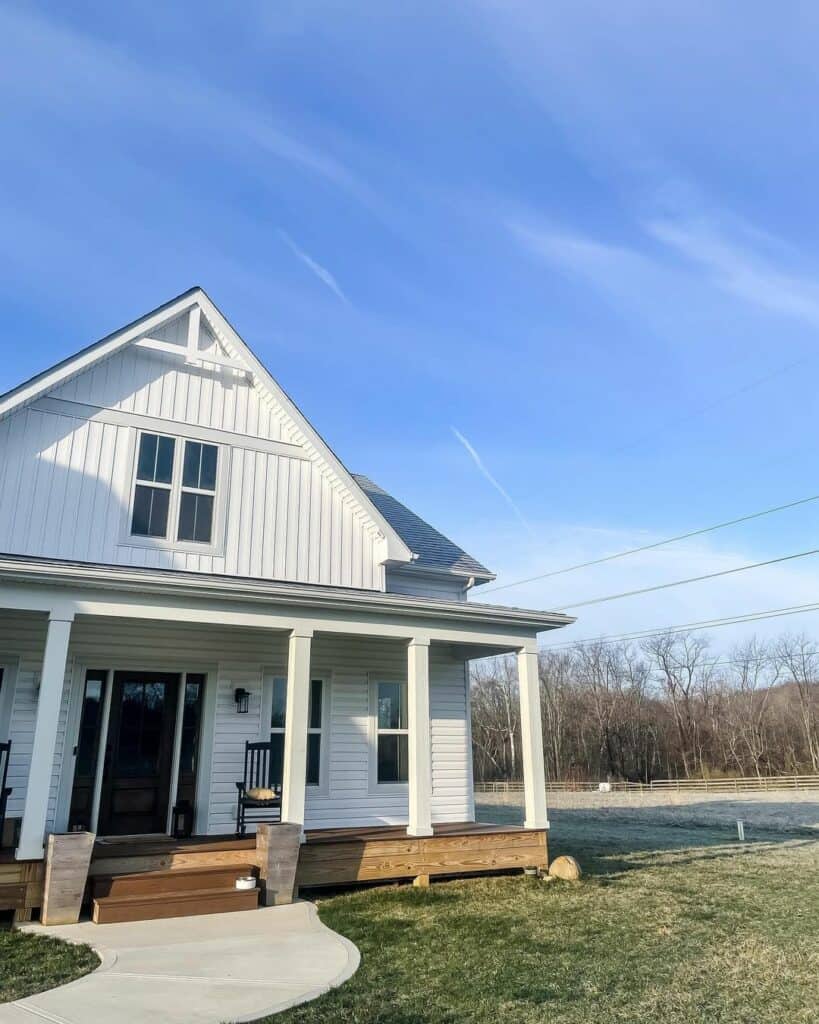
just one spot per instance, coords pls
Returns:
(322, 273)
(498, 487)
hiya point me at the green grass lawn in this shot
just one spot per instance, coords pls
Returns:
(669, 925)
(30, 964)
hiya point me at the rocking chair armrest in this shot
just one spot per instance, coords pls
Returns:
(241, 787)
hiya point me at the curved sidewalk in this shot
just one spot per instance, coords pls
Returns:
(195, 970)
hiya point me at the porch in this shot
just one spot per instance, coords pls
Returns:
(126, 705)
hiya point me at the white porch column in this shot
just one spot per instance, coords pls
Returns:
(534, 775)
(294, 776)
(420, 739)
(32, 830)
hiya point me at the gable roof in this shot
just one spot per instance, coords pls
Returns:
(435, 552)
(395, 548)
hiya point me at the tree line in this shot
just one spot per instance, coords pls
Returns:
(668, 707)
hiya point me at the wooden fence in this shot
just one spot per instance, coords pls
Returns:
(738, 785)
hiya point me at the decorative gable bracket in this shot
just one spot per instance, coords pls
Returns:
(194, 355)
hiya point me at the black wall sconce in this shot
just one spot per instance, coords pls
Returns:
(242, 698)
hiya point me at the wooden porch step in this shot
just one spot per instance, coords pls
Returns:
(170, 882)
(185, 903)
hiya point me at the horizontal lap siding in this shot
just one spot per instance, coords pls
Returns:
(22, 637)
(452, 798)
(239, 658)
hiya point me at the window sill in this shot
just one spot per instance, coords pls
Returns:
(389, 788)
(162, 544)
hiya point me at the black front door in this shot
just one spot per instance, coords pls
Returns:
(139, 755)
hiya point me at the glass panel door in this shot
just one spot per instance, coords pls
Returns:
(136, 784)
(87, 751)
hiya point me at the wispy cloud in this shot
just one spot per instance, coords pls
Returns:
(322, 273)
(68, 73)
(486, 473)
(735, 267)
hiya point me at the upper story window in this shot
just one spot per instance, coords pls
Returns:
(174, 496)
(152, 493)
(198, 492)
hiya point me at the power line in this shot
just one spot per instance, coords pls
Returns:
(656, 544)
(709, 406)
(773, 613)
(691, 579)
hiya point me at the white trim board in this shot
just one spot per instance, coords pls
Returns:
(159, 425)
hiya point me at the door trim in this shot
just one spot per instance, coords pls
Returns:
(72, 734)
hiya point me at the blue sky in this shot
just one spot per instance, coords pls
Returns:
(580, 237)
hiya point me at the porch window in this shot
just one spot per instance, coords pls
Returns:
(174, 490)
(7, 680)
(392, 734)
(315, 722)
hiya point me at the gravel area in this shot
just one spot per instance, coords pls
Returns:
(663, 820)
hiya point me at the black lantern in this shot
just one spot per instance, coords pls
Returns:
(182, 820)
(242, 698)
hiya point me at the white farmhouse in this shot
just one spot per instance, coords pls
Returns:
(187, 568)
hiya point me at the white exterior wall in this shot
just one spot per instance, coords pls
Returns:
(66, 481)
(444, 587)
(234, 657)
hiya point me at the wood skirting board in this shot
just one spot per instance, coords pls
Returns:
(21, 885)
(392, 855)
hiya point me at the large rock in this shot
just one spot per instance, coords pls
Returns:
(566, 868)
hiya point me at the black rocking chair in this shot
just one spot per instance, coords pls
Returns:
(258, 762)
(5, 791)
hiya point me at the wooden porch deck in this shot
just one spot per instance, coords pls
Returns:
(329, 857)
(341, 856)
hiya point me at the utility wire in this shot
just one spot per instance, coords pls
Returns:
(773, 613)
(656, 544)
(690, 579)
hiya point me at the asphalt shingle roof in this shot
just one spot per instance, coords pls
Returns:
(434, 550)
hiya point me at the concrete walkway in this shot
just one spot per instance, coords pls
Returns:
(195, 970)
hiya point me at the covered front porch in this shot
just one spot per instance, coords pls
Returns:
(133, 706)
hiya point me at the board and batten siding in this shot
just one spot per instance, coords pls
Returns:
(66, 481)
(236, 657)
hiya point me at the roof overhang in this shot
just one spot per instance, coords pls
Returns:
(172, 583)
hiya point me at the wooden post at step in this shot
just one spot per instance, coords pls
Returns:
(67, 861)
(277, 852)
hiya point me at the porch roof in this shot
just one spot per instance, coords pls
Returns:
(16, 569)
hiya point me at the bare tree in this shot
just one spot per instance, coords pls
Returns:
(663, 709)
(685, 669)
(799, 657)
